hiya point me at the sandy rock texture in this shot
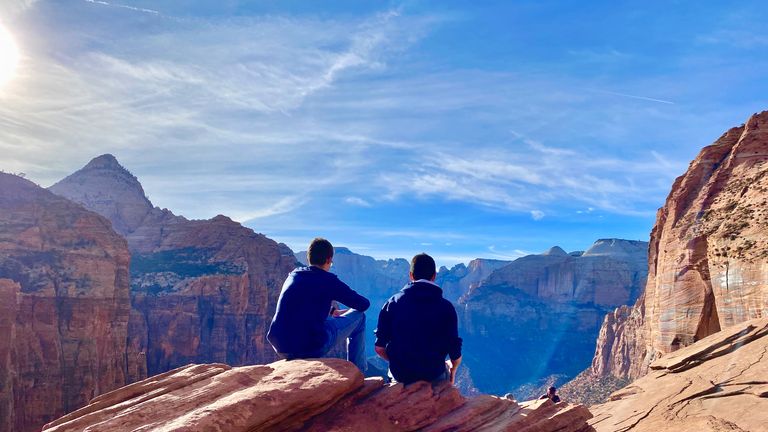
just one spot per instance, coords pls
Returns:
(307, 395)
(64, 306)
(708, 260)
(202, 291)
(719, 383)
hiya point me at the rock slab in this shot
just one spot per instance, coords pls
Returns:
(719, 383)
(307, 395)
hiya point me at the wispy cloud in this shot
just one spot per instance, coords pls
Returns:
(357, 201)
(644, 98)
(122, 6)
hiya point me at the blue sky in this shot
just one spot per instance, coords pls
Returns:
(464, 129)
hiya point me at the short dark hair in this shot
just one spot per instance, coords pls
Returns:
(553, 389)
(423, 267)
(319, 251)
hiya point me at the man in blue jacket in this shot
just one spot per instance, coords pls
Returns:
(305, 325)
(418, 328)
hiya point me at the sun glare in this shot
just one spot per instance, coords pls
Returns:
(9, 56)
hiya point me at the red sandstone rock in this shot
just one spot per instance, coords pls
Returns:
(717, 384)
(708, 262)
(64, 306)
(202, 290)
(308, 395)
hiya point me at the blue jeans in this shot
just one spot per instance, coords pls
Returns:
(349, 328)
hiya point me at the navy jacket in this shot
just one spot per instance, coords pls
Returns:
(298, 326)
(419, 328)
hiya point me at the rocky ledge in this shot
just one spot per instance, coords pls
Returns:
(720, 383)
(307, 395)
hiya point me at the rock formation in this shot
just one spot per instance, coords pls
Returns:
(461, 278)
(64, 307)
(201, 290)
(535, 320)
(708, 262)
(307, 395)
(719, 383)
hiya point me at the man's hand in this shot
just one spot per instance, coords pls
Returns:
(382, 352)
(339, 312)
(453, 365)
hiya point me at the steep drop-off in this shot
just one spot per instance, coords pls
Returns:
(535, 320)
(64, 307)
(202, 290)
(708, 262)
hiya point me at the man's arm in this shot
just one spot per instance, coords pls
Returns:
(383, 332)
(454, 341)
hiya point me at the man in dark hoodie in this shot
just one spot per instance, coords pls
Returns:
(305, 325)
(418, 328)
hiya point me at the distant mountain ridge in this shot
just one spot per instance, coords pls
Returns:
(553, 305)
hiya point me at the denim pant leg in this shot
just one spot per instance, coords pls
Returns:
(349, 327)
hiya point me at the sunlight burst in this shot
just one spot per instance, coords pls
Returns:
(9, 56)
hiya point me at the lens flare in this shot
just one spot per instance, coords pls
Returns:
(9, 56)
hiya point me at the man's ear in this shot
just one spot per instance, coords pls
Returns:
(329, 261)
(410, 275)
(434, 276)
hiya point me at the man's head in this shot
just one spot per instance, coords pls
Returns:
(423, 267)
(552, 390)
(320, 253)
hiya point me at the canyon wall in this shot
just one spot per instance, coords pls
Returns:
(64, 307)
(708, 261)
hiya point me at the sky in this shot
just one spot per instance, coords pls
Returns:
(462, 129)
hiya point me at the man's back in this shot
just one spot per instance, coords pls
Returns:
(303, 307)
(419, 328)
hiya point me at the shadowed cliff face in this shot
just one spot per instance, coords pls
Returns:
(536, 318)
(64, 307)
(201, 290)
(708, 262)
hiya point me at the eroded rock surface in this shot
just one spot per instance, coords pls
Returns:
(307, 395)
(535, 320)
(64, 307)
(202, 290)
(719, 383)
(708, 262)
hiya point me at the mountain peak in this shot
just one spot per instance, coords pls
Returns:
(105, 161)
(555, 251)
(106, 187)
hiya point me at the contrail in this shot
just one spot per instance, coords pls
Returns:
(633, 96)
(101, 2)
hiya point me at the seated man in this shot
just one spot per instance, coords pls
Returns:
(418, 328)
(551, 395)
(305, 325)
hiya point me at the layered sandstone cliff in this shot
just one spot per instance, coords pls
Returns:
(64, 307)
(201, 290)
(306, 395)
(708, 262)
(536, 319)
